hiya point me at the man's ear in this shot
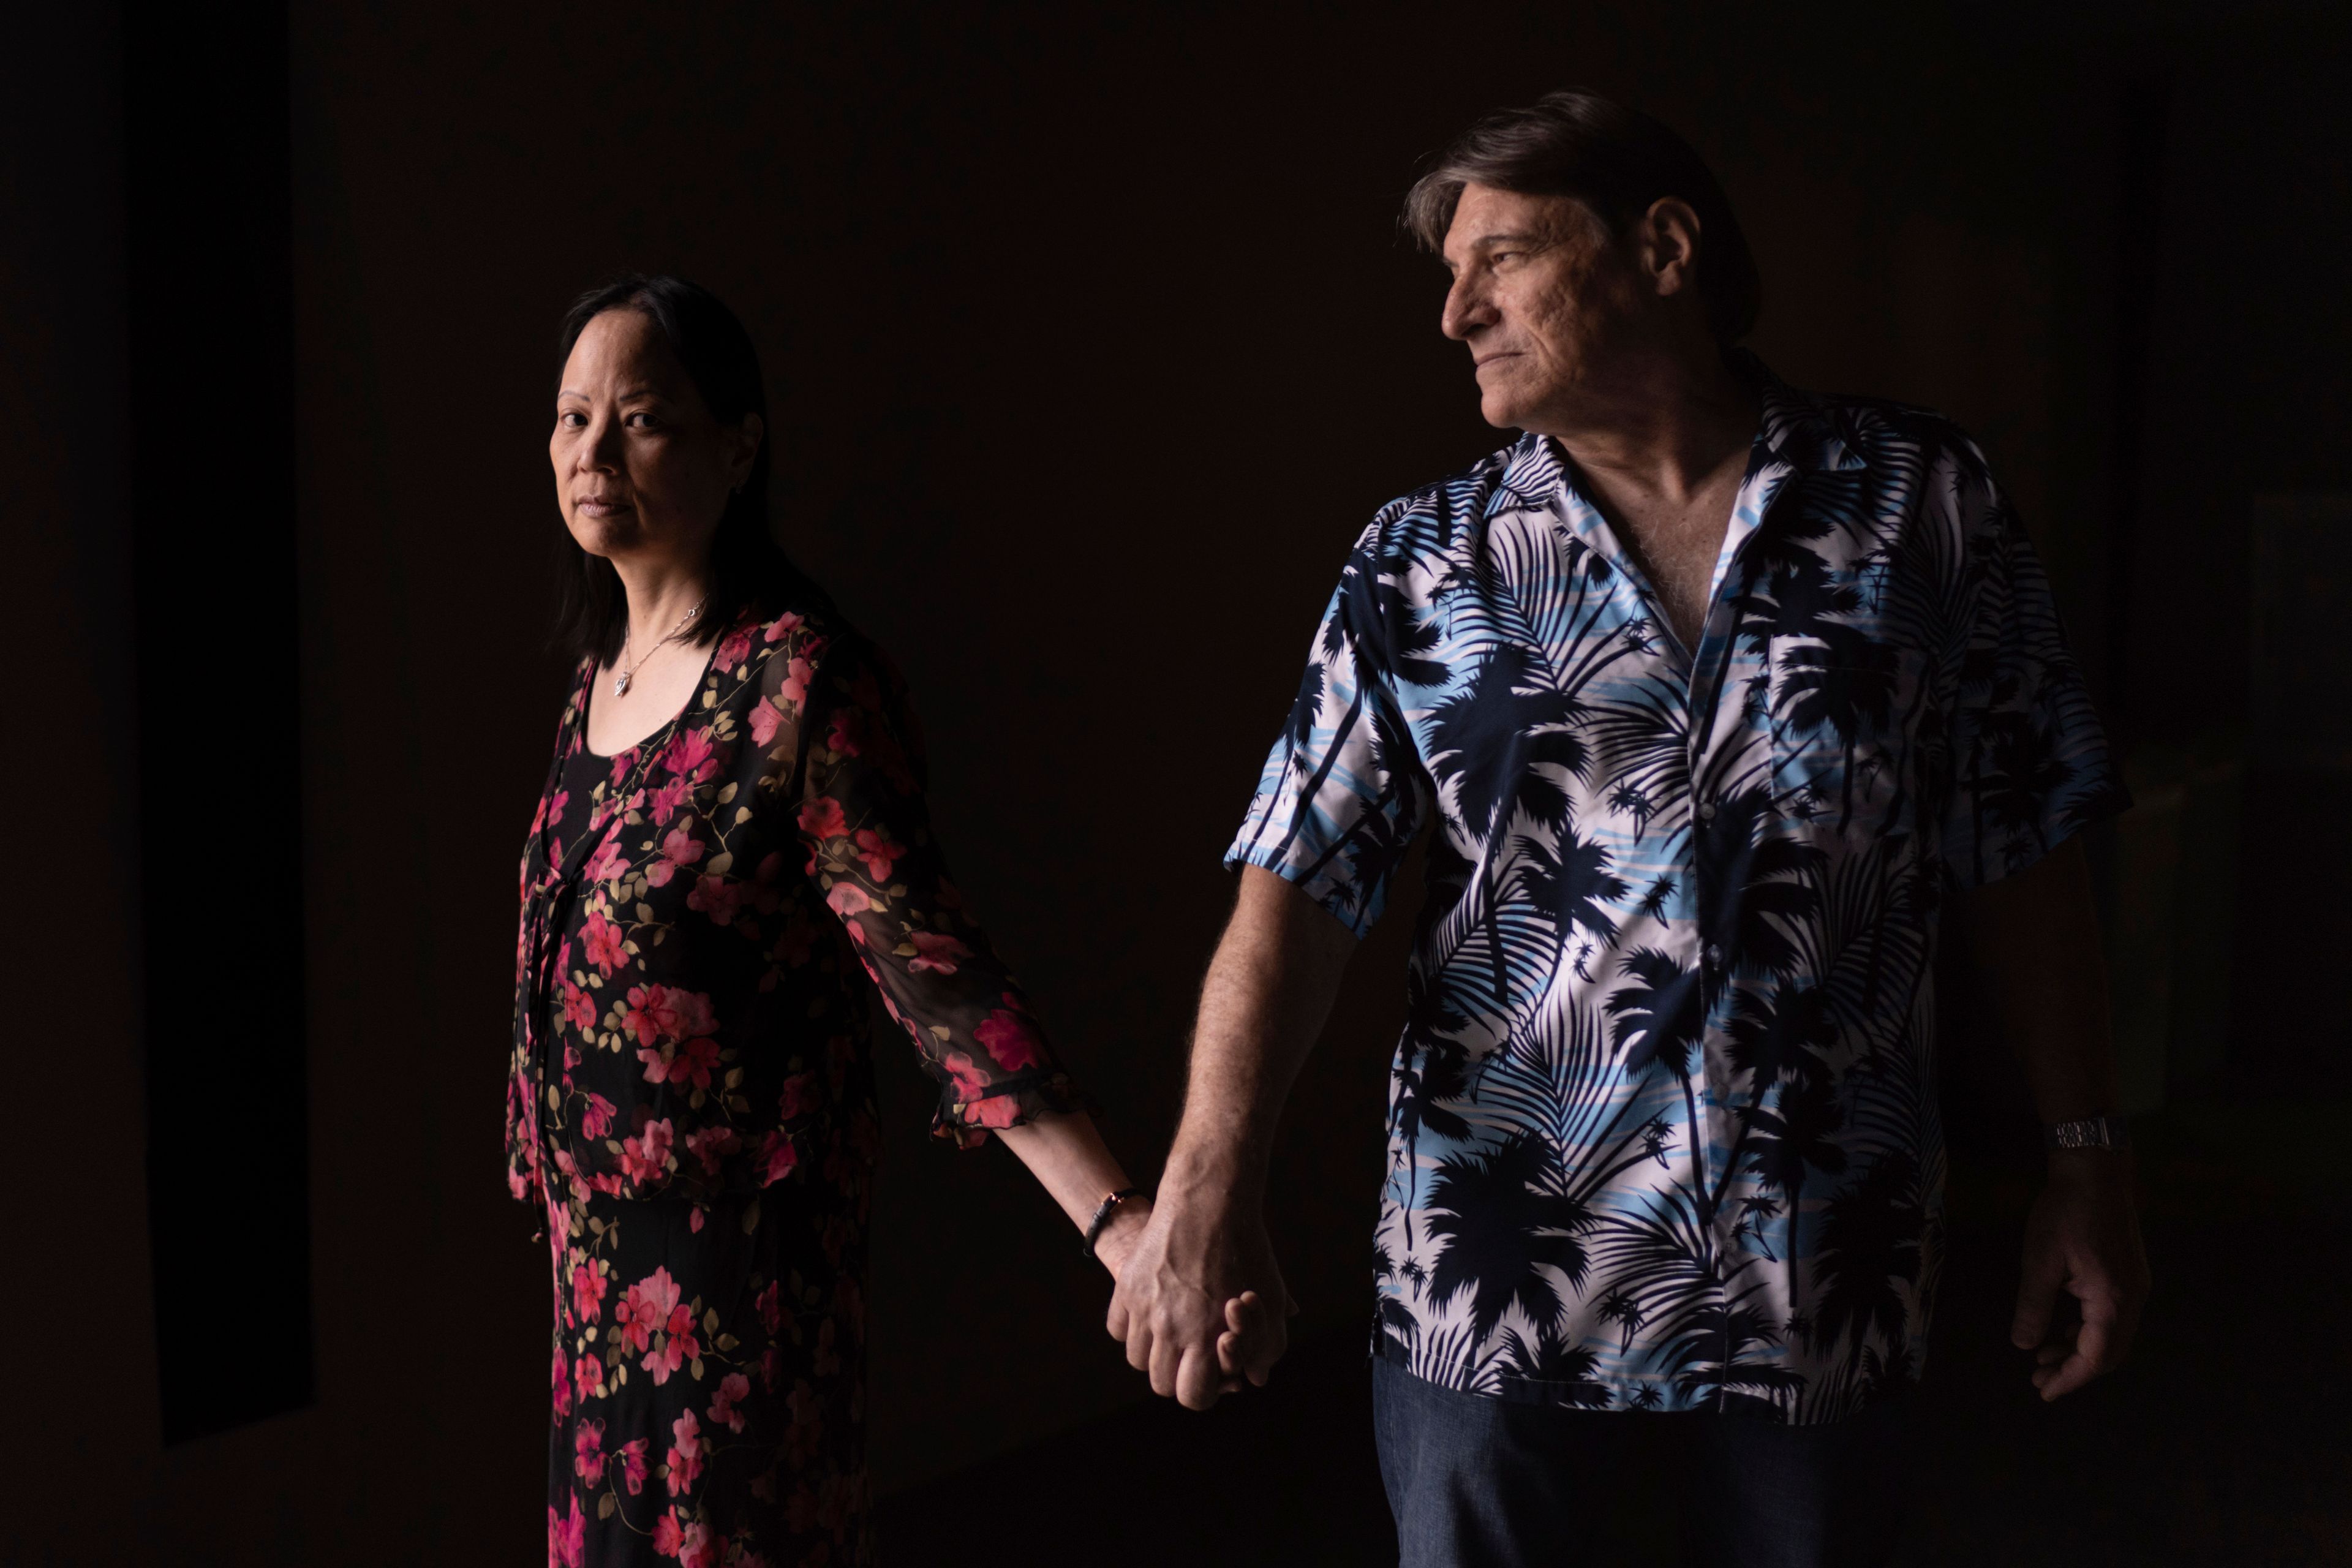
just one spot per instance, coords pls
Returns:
(1670, 245)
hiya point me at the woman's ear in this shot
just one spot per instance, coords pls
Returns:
(743, 451)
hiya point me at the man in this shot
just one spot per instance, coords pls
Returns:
(1710, 692)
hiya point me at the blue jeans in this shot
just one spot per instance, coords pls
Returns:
(1488, 1483)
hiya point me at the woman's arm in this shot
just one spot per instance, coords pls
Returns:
(1065, 1154)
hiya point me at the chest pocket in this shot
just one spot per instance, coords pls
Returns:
(1842, 709)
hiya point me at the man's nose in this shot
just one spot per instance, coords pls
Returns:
(1467, 310)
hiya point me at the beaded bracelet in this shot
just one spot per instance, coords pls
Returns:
(1103, 1210)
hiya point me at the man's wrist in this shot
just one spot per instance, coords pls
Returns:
(1218, 1171)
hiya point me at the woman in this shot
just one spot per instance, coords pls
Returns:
(731, 843)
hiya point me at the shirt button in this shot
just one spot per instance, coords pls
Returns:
(1713, 956)
(1707, 811)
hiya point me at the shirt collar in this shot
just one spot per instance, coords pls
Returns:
(1800, 428)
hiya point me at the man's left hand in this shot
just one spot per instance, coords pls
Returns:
(2082, 1238)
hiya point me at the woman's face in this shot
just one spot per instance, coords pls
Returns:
(642, 468)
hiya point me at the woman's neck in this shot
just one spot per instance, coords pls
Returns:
(661, 593)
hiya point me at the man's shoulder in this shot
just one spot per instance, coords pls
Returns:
(1851, 431)
(1436, 513)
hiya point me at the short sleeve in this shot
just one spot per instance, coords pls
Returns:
(1343, 790)
(2029, 764)
(863, 825)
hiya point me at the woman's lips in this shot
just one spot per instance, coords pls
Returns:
(599, 506)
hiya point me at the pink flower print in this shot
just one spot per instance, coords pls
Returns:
(647, 1308)
(718, 898)
(552, 810)
(589, 1371)
(793, 687)
(678, 849)
(691, 1544)
(607, 860)
(878, 852)
(732, 1388)
(847, 900)
(999, 1111)
(770, 1304)
(766, 720)
(647, 1156)
(600, 939)
(669, 797)
(771, 1367)
(799, 1096)
(691, 1061)
(657, 1013)
(969, 1081)
(936, 952)
(588, 1287)
(778, 1155)
(566, 1537)
(1012, 1039)
(690, 755)
(848, 734)
(821, 820)
(596, 1116)
(588, 1451)
(732, 652)
(633, 1465)
(712, 1145)
(578, 1007)
(559, 1385)
(686, 1458)
(621, 765)
(783, 625)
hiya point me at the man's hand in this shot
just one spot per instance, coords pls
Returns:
(2082, 1238)
(1190, 1301)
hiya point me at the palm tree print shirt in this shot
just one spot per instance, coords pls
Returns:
(1662, 1130)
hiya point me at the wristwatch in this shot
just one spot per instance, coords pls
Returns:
(2109, 1133)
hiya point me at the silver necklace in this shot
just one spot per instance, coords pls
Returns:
(621, 677)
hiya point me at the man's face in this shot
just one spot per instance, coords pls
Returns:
(1544, 297)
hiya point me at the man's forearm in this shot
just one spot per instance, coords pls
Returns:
(1267, 992)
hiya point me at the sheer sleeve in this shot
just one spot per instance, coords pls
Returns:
(856, 797)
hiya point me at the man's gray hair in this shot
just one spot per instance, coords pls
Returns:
(1614, 161)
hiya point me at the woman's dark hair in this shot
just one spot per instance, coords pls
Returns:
(748, 569)
(1617, 162)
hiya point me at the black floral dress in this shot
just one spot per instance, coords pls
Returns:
(691, 1100)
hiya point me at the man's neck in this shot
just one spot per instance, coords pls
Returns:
(1660, 431)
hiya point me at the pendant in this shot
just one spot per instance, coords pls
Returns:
(621, 685)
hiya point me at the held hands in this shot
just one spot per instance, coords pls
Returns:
(1191, 1302)
(2082, 1238)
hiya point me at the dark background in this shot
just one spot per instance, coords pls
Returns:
(1091, 344)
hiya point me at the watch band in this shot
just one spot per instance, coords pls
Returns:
(2109, 1133)
(1103, 1210)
